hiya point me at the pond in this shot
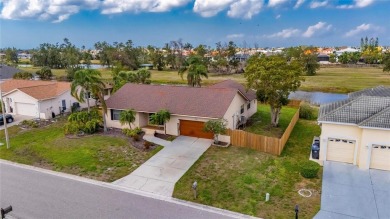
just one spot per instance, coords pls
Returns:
(92, 66)
(317, 98)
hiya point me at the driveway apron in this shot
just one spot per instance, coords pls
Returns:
(349, 192)
(160, 173)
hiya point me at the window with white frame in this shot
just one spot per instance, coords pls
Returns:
(115, 114)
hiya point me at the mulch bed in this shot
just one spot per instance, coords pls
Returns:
(165, 137)
(140, 144)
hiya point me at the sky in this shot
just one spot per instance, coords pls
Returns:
(24, 24)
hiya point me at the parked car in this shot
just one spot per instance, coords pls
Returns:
(9, 118)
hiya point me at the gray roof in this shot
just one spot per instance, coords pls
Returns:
(368, 108)
(380, 91)
(7, 72)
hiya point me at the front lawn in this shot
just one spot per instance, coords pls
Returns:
(237, 178)
(259, 123)
(98, 156)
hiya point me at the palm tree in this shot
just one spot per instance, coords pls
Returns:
(161, 117)
(98, 92)
(143, 76)
(195, 69)
(127, 117)
(83, 83)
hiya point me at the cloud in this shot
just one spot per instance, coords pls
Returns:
(357, 4)
(317, 4)
(299, 3)
(138, 6)
(319, 28)
(51, 10)
(245, 8)
(236, 8)
(235, 35)
(286, 33)
(278, 16)
(275, 3)
(209, 8)
(361, 29)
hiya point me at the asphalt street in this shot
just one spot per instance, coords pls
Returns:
(37, 193)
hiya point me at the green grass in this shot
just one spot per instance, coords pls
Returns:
(101, 157)
(259, 123)
(339, 80)
(237, 179)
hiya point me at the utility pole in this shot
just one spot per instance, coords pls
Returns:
(3, 110)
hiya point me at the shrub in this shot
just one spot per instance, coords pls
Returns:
(72, 128)
(309, 169)
(126, 131)
(29, 123)
(147, 145)
(307, 112)
(92, 126)
(136, 137)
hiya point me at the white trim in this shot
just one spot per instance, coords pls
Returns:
(366, 127)
(337, 123)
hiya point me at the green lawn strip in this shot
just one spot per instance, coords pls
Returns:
(237, 179)
(99, 157)
(259, 123)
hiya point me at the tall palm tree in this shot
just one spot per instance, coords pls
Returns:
(195, 69)
(127, 117)
(83, 82)
(98, 92)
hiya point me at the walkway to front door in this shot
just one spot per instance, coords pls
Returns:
(160, 173)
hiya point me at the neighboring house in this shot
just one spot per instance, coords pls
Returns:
(190, 107)
(7, 72)
(38, 99)
(357, 130)
(323, 58)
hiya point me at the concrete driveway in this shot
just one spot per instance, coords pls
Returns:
(348, 192)
(17, 119)
(160, 173)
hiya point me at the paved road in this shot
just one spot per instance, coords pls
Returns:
(160, 173)
(349, 192)
(37, 193)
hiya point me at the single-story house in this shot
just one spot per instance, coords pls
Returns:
(38, 99)
(190, 107)
(357, 130)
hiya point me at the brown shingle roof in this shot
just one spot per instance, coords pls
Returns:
(179, 100)
(38, 89)
(250, 94)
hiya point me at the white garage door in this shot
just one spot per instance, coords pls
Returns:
(380, 157)
(341, 150)
(26, 109)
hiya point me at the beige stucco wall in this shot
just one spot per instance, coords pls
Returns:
(349, 132)
(370, 137)
(235, 108)
(116, 124)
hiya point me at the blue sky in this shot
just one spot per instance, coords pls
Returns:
(269, 23)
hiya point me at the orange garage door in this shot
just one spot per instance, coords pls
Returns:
(194, 129)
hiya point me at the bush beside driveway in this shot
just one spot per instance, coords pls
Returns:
(99, 156)
(237, 179)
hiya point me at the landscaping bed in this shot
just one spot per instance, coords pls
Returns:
(165, 136)
(259, 123)
(106, 157)
(238, 179)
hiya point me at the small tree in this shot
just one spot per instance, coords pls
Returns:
(276, 78)
(195, 69)
(127, 117)
(45, 73)
(217, 127)
(161, 117)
